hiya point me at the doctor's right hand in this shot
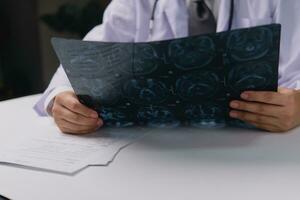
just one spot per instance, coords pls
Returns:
(73, 117)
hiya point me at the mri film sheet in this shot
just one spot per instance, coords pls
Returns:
(187, 81)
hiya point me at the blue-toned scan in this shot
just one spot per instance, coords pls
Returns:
(195, 87)
(251, 76)
(115, 118)
(206, 115)
(82, 60)
(159, 117)
(145, 91)
(193, 53)
(100, 90)
(180, 82)
(145, 61)
(251, 44)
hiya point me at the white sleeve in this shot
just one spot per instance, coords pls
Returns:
(119, 25)
(50, 98)
(289, 66)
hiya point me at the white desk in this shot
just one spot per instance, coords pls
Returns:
(189, 164)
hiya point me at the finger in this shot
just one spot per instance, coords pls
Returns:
(285, 90)
(76, 132)
(265, 97)
(72, 103)
(60, 112)
(258, 108)
(78, 119)
(252, 117)
(68, 127)
(76, 127)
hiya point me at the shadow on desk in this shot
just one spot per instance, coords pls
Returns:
(227, 145)
(202, 138)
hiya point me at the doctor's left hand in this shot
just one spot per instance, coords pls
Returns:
(270, 111)
(73, 117)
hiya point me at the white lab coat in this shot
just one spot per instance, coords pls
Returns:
(129, 21)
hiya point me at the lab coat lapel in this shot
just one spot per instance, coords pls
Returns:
(143, 19)
(177, 16)
(224, 15)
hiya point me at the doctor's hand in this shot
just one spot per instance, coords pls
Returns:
(73, 117)
(270, 111)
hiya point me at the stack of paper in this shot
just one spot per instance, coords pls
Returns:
(67, 153)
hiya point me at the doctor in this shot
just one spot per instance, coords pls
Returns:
(149, 20)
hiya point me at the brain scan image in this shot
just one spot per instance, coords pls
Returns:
(86, 61)
(84, 85)
(158, 117)
(192, 54)
(249, 45)
(115, 118)
(164, 84)
(145, 61)
(249, 77)
(100, 90)
(106, 93)
(146, 91)
(207, 115)
(198, 86)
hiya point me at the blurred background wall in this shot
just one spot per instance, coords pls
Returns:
(27, 60)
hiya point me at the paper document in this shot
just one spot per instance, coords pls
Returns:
(68, 153)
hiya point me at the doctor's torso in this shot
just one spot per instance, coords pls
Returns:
(129, 21)
(171, 21)
(171, 16)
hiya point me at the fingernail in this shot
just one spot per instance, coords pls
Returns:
(99, 122)
(233, 114)
(234, 105)
(94, 115)
(245, 96)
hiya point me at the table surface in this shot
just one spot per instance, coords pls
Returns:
(188, 164)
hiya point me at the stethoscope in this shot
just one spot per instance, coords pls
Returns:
(151, 25)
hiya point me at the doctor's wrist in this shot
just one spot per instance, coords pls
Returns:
(49, 101)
